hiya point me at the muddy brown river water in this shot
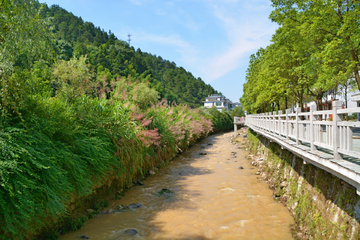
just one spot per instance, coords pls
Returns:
(212, 198)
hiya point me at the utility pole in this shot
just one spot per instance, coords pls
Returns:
(129, 39)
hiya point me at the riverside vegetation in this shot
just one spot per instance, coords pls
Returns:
(72, 133)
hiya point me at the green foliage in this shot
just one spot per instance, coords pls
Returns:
(237, 112)
(139, 93)
(72, 78)
(222, 120)
(24, 38)
(314, 52)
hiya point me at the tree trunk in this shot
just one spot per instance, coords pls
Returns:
(356, 68)
(346, 102)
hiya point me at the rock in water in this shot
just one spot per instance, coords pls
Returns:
(202, 153)
(134, 205)
(119, 207)
(83, 236)
(139, 182)
(131, 231)
(90, 210)
(241, 167)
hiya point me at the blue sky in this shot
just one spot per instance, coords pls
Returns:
(212, 39)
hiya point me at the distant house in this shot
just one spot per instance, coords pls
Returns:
(237, 104)
(219, 102)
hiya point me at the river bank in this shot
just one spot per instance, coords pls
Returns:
(213, 193)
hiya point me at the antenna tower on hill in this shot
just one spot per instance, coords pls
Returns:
(129, 39)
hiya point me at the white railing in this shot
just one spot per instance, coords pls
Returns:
(239, 120)
(318, 129)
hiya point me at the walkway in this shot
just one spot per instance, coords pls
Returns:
(331, 144)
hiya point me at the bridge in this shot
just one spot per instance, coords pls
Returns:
(321, 138)
(238, 121)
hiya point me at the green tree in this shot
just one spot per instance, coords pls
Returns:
(24, 39)
(338, 22)
(73, 78)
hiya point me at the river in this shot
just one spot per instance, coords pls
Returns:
(212, 196)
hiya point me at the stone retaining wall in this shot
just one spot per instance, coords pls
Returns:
(323, 206)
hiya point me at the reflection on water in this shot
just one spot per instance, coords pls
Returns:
(211, 198)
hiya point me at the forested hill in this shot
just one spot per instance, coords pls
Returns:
(114, 57)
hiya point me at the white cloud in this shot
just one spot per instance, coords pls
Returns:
(246, 32)
(174, 40)
(136, 2)
(244, 24)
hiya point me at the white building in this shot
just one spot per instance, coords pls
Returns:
(219, 102)
(352, 100)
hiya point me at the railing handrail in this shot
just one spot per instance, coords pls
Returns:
(324, 129)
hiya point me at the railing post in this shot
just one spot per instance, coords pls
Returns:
(336, 118)
(266, 121)
(350, 138)
(288, 111)
(312, 132)
(274, 121)
(280, 126)
(235, 127)
(297, 125)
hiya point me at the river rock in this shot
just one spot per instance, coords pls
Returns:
(151, 172)
(210, 144)
(164, 192)
(139, 182)
(134, 205)
(119, 207)
(90, 210)
(203, 153)
(277, 194)
(257, 173)
(131, 231)
(241, 167)
(107, 212)
(83, 237)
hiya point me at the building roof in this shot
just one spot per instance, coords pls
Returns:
(355, 97)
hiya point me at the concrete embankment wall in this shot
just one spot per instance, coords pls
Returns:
(323, 206)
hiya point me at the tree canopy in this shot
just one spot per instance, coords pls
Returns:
(314, 51)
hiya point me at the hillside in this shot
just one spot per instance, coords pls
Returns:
(108, 54)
